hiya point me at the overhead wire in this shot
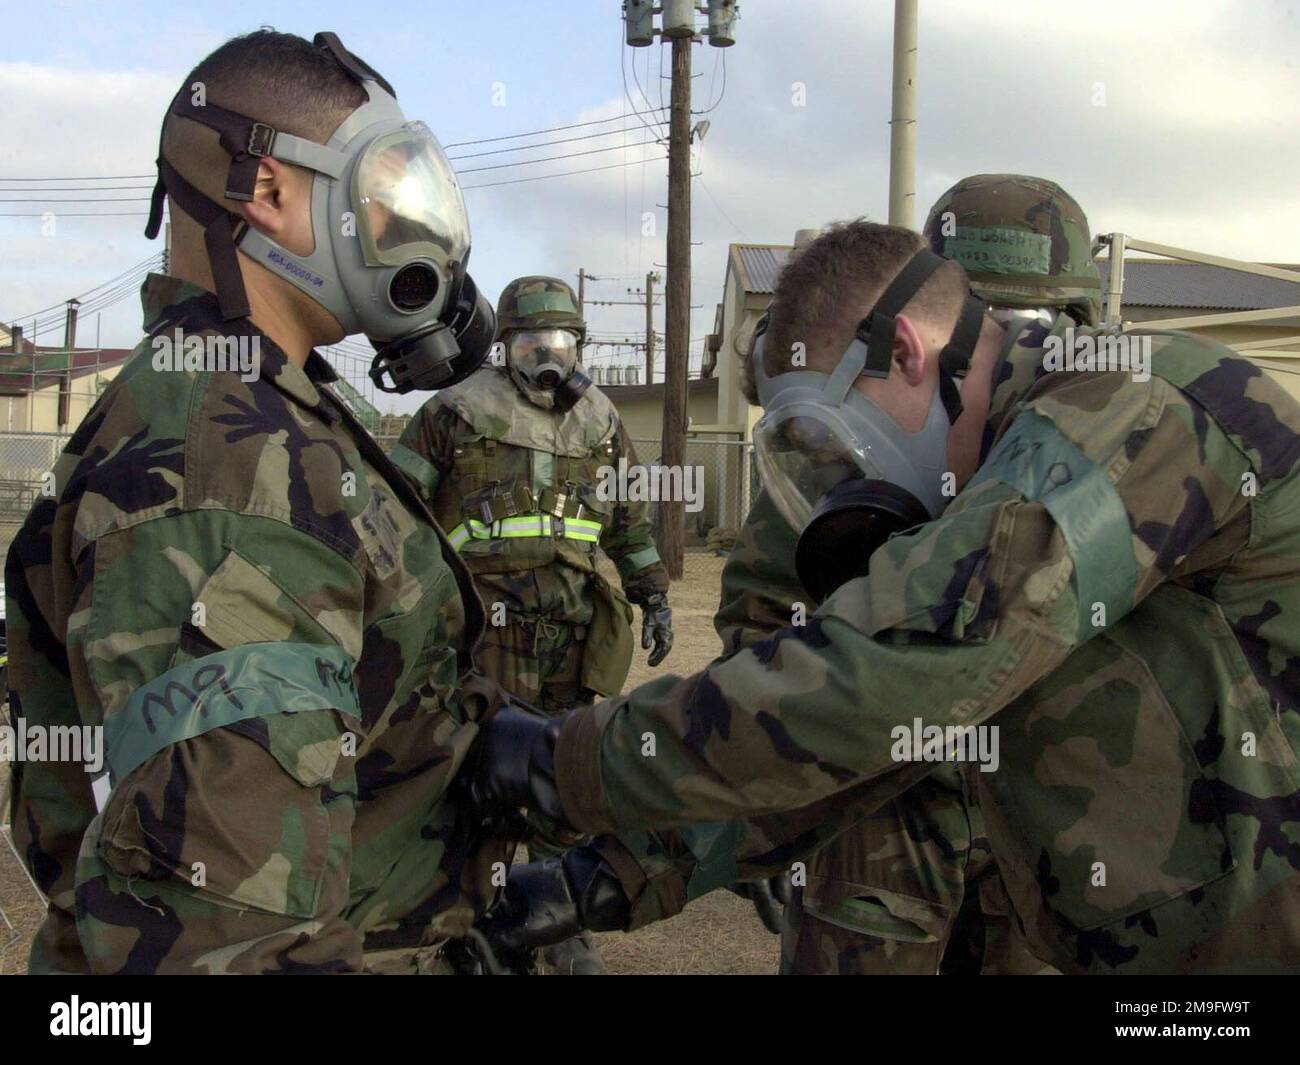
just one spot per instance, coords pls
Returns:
(563, 173)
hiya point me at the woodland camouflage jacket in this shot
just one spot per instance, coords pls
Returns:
(1116, 590)
(235, 582)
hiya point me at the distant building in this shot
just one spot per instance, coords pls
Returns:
(1154, 289)
(48, 389)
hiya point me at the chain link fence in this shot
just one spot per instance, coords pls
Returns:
(718, 483)
(25, 460)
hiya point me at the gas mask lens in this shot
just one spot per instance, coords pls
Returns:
(803, 452)
(410, 201)
(545, 357)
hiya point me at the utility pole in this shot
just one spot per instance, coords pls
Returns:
(582, 288)
(650, 280)
(902, 120)
(677, 299)
(678, 26)
(65, 380)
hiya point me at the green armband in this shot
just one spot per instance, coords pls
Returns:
(252, 680)
(1044, 467)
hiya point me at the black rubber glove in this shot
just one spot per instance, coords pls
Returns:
(769, 898)
(515, 770)
(549, 902)
(656, 627)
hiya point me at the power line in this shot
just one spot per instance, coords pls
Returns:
(95, 177)
(90, 292)
(453, 144)
(721, 94)
(89, 188)
(61, 214)
(467, 170)
(553, 158)
(108, 199)
(553, 129)
(108, 299)
(563, 173)
(700, 179)
(627, 94)
(543, 144)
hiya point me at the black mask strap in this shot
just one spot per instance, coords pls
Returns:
(246, 141)
(221, 233)
(360, 70)
(954, 359)
(878, 329)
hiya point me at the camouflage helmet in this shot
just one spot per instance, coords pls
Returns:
(1023, 241)
(539, 303)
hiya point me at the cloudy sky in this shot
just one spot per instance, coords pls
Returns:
(1174, 121)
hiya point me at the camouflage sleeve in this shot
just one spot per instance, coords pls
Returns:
(759, 587)
(223, 838)
(427, 447)
(1070, 522)
(661, 871)
(629, 538)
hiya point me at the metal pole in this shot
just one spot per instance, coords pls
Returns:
(1115, 283)
(582, 289)
(650, 280)
(65, 381)
(902, 121)
(677, 311)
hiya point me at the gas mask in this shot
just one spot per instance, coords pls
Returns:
(843, 473)
(388, 219)
(543, 363)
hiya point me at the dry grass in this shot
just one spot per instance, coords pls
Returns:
(717, 934)
(22, 907)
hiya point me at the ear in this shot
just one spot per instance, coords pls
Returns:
(276, 195)
(908, 353)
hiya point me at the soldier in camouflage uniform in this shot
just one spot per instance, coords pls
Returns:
(261, 613)
(915, 889)
(1112, 589)
(514, 475)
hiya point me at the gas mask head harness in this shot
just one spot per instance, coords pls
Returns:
(544, 362)
(840, 469)
(391, 237)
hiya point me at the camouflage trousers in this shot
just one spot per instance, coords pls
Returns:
(911, 890)
(538, 660)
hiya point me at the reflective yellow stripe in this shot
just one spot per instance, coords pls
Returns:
(522, 527)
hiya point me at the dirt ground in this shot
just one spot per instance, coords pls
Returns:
(717, 934)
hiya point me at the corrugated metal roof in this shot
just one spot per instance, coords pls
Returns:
(761, 263)
(1147, 283)
(1161, 283)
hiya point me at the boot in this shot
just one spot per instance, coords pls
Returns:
(578, 956)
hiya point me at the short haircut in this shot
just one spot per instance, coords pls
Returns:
(280, 79)
(825, 287)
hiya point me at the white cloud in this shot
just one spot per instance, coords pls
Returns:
(1195, 144)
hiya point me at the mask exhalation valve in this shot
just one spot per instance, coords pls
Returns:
(413, 287)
